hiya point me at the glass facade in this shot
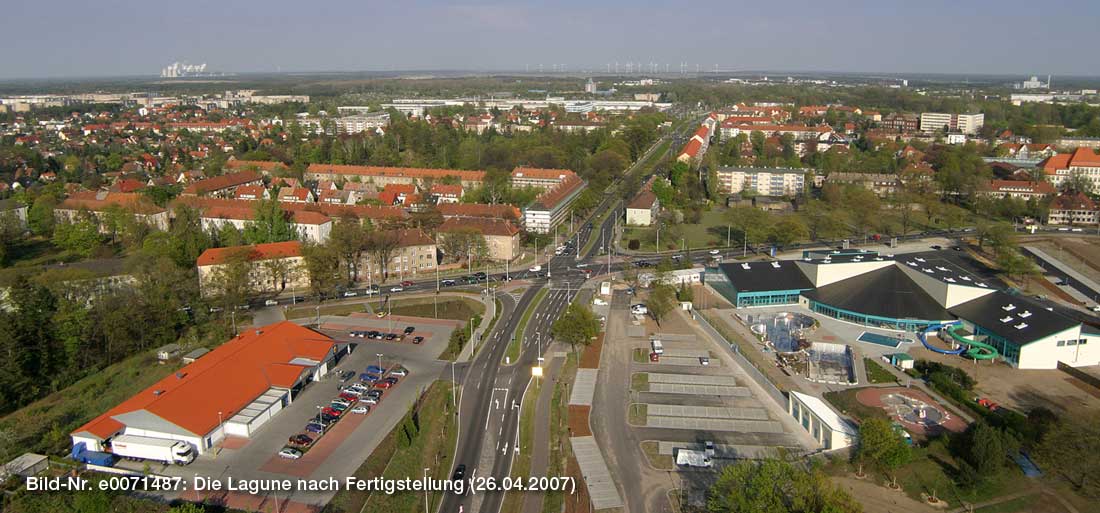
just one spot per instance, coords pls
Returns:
(1009, 350)
(911, 325)
(771, 297)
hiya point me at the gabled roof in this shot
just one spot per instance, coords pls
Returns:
(225, 181)
(563, 190)
(99, 201)
(542, 173)
(270, 251)
(367, 171)
(225, 380)
(644, 200)
(488, 227)
(478, 210)
(1074, 201)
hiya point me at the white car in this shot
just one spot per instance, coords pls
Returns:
(599, 302)
(399, 372)
(582, 265)
(715, 252)
(639, 309)
(361, 409)
(271, 302)
(351, 293)
(290, 453)
(369, 400)
(397, 289)
(536, 269)
(341, 403)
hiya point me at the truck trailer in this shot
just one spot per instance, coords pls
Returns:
(83, 455)
(157, 449)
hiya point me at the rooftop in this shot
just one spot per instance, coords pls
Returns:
(274, 250)
(886, 292)
(1016, 318)
(766, 276)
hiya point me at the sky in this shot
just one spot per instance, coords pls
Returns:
(79, 38)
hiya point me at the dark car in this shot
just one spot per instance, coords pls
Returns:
(300, 439)
(480, 275)
(374, 369)
(314, 427)
(328, 420)
(409, 329)
(368, 377)
(447, 283)
(346, 375)
(377, 394)
(471, 279)
(391, 336)
(391, 380)
(460, 472)
(417, 340)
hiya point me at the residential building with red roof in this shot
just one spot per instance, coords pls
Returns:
(1073, 208)
(499, 211)
(552, 206)
(397, 194)
(446, 193)
(381, 176)
(1017, 189)
(98, 203)
(251, 192)
(415, 252)
(1083, 161)
(502, 237)
(311, 226)
(799, 132)
(232, 390)
(296, 195)
(263, 276)
(224, 186)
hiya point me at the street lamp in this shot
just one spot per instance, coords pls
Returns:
(379, 355)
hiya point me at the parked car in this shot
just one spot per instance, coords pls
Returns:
(447, 283)
(400, 371)
(391, 380)
(370, 400)
(329, 419)
(351, 398)
(329, 410)
(353, 391)
(340, 407)
(391, 336)
(374, 369)
(377, 335)
(341, 402)
(290, 453)
(300, 439)
(383, 384)
(362, 409)
(417, 340)
(314, 427)
(346, 375)
(409, 329)
(368, 377)
(375, 393)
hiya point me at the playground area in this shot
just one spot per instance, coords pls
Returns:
(784, 331)
(915, 410)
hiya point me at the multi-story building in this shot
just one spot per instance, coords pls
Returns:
(502, 237)
(1017, 189)
(224, 186)
(901, 121)
(552, 206)
(362, 123)
(16, 210)
(310, 225)
(764, 181)
(381, 176)
(541, 178)
(414, 253)
(799, 132)
(968, 124)
(1073, 208)
(643, 209)
(880, 183)
(98, 203)
(1082, 162)
(272, 268)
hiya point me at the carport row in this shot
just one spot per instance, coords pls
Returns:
(696, 384)
(710, 418)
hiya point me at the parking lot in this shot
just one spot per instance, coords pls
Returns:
(348, 441)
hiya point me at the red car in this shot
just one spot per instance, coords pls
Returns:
(351, 398)
(383, 384)
(300, 440)
(330, 411)
(406, 283)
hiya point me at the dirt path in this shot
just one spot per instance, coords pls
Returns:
(879, 499)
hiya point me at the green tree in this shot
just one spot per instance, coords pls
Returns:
(231, 281)
(80, 238)
(752, 224)
(880, 445)
(662, 300)
(1067, 450)
(271, 224)
(788, 230)
(577, 326)
(323, 266)
(775, 486)
(984, 451)
(40, 216)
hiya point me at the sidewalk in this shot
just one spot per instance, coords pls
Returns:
(540, 442)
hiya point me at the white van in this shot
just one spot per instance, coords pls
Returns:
(639, 309)
(658, 347)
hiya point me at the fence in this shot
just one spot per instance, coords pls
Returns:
(753, 372)
(1089, 379)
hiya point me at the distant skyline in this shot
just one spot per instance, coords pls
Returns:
(75, 38)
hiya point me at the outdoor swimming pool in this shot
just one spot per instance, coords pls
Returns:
(882, 340)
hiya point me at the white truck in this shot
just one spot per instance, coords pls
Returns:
(157, 449)
(657, 346)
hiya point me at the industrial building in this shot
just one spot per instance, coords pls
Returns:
(231, 391)
(916, 294)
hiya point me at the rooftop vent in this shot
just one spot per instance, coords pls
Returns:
(981, 284)
(1009, 307)
(949, 280)
(941, 268)
(1008, 319)
(775, 265)
(965, 278)
(259, 332)
(745, 266)
(1025, 314)
(911, 264)
(1021, 326)
(921, 260)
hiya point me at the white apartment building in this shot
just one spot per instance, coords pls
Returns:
(968, 124)
(766, 182)
(360, 123)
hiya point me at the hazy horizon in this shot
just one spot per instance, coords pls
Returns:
(123, 38)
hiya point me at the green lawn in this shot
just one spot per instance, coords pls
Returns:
(876, 373)
(658, 460)
(638, 412)
(516, 344)
(422, 440)
(639, 382)
(845, 401)
(708, 233)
